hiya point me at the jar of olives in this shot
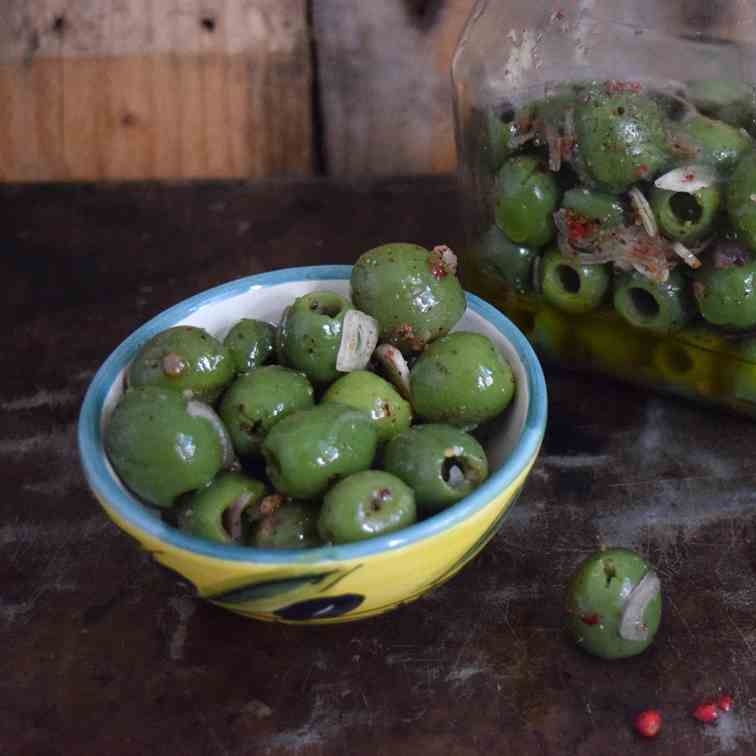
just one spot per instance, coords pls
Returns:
(607, 157)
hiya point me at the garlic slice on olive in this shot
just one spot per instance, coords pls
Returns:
(196, 408)
(394, 367)
(687, 178)
(631, 625)
(359, 336)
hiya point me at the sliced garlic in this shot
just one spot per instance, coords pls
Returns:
(448, 257)
(200, 409)
(682, 251)
(631, 625)
(359, 335)
(232, 516)
(645, 213)
(395, 368)
(687, 178)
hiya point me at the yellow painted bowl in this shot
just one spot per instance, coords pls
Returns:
(331, 583)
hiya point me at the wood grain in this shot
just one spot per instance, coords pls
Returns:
(385, 85)
(131, 89)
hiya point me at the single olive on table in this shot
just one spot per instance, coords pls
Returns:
(314, 430)
(614, 604)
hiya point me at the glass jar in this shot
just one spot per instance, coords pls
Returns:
(608, 171)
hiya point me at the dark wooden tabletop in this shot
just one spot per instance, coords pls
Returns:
(104, 653)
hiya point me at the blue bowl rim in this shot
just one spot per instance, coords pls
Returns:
(128, 507)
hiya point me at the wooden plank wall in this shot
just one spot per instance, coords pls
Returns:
(173, 89)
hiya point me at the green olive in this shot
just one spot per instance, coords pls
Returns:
(614, 604)
(572, 286)
(741, 199)
(257, 400)
(219, 511)
(310, 449)
(365, 505)
(186, 359)
(527, 196)
(461, 379)
(728, 100)
(685, 217)
(250, 343)
(442, 464)
(716, 143)
(596, 206)
(412, 292)
(659, 307)
(309, 335)
(292, 525)
(725, 286)
(510, 263)
(621, 138)
(372, 394)
(162, 445)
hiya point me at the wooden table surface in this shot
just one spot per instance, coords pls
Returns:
(104, 653)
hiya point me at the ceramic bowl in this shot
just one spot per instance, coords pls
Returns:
(331, 583)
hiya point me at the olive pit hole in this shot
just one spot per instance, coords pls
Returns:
(643, 303)
(685, 207)
(453, 471)
(568, 279)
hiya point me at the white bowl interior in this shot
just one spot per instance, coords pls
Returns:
(268, 302)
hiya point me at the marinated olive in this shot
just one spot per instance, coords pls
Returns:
(378, 398)
(310, 449)
(257, 400)
(413, 293)
(186, 359)
(614, 604)
(572, 286)
(661, 307)
(604, 344)
(728, 100)
(527, 195)
(365, 505)
(596, 206)
(220, 511)
(621, 138)
(683, 216)
(162, 445)
(741, 200)
(250, 343)
(509, 262)
(686, 366)
(551, 335)
(292, 525)
(725, 286)
(716, 143)
(442, 464)
(461, 379)
(310, 334)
